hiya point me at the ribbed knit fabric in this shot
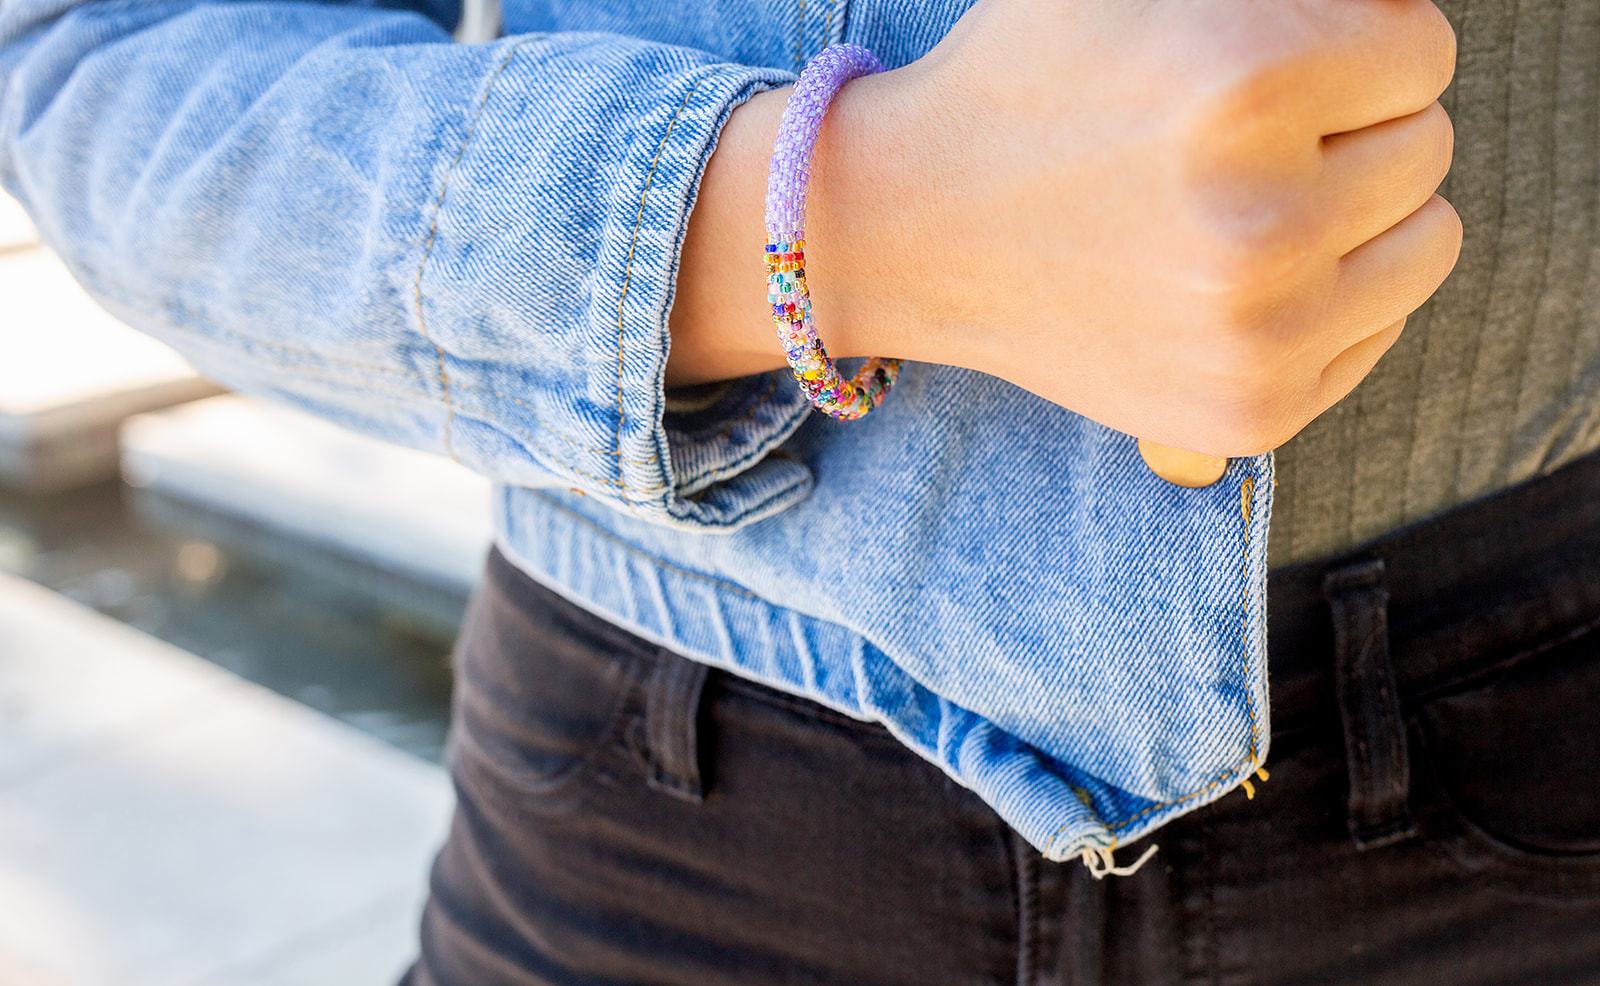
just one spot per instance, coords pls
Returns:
(1497, 379)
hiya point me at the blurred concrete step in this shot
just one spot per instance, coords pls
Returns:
(410, 513)
(163, 823)
(16, 229)
(70, 374)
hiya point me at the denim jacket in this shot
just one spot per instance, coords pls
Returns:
(472, 248)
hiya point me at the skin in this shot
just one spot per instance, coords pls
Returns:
(1201, 223)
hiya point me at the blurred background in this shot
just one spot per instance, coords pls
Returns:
(224, 640)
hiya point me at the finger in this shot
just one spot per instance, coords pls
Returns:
(1377, 176)
(1182, 467)
(1391, 275)
(1352, 366)
(1380, 60)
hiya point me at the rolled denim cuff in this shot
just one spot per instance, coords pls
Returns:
(555, 355)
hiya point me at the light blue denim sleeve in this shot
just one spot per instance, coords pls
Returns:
(466, 248)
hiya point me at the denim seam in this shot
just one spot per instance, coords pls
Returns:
(1251, 758)
(1246, 490)
(1412, 695)
(760, 439)
(433, 236)
(713, 580)
(799, 35)
(605, 740)
(532, 443)
(745, 511)
(627, 270)
(711, 471)
(865, 731)
(534, 413)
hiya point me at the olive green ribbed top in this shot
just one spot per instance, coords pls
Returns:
(1497, 378)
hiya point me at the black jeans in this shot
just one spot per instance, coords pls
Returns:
(1433, 814)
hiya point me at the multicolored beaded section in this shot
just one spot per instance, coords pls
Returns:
(787, 293)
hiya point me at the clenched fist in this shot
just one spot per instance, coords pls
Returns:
(1197, 221)
(1200, 222)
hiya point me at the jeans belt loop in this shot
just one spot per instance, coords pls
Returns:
(1369, 705)
(671, 718)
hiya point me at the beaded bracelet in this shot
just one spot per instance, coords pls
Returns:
(829, 392)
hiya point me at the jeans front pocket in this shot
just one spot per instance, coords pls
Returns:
(1511, 770)
(542, 691)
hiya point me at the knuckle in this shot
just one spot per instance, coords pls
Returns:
(1430, 44)
(1442, 131)
(1253, 419)
(1243, 433)
(1451, 233)
(1249, 94)
(1247, 245)
(1440, 47)
(1239, 348)
(1452, 218)
(1256, 92)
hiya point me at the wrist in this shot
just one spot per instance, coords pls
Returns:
(869, 238)
(869, 248)
(719, 326)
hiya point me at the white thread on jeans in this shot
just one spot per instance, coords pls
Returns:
(1100, 863)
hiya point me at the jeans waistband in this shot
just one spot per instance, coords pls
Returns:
(1467, 591)
(1427, 609)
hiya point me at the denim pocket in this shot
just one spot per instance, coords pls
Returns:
(542, 690)
(1510, 765)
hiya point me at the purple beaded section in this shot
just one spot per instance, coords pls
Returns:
(786, 241)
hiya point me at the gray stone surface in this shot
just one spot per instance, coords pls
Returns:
(163, 823)
(408, 512)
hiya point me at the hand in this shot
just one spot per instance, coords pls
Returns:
(1199, 223)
